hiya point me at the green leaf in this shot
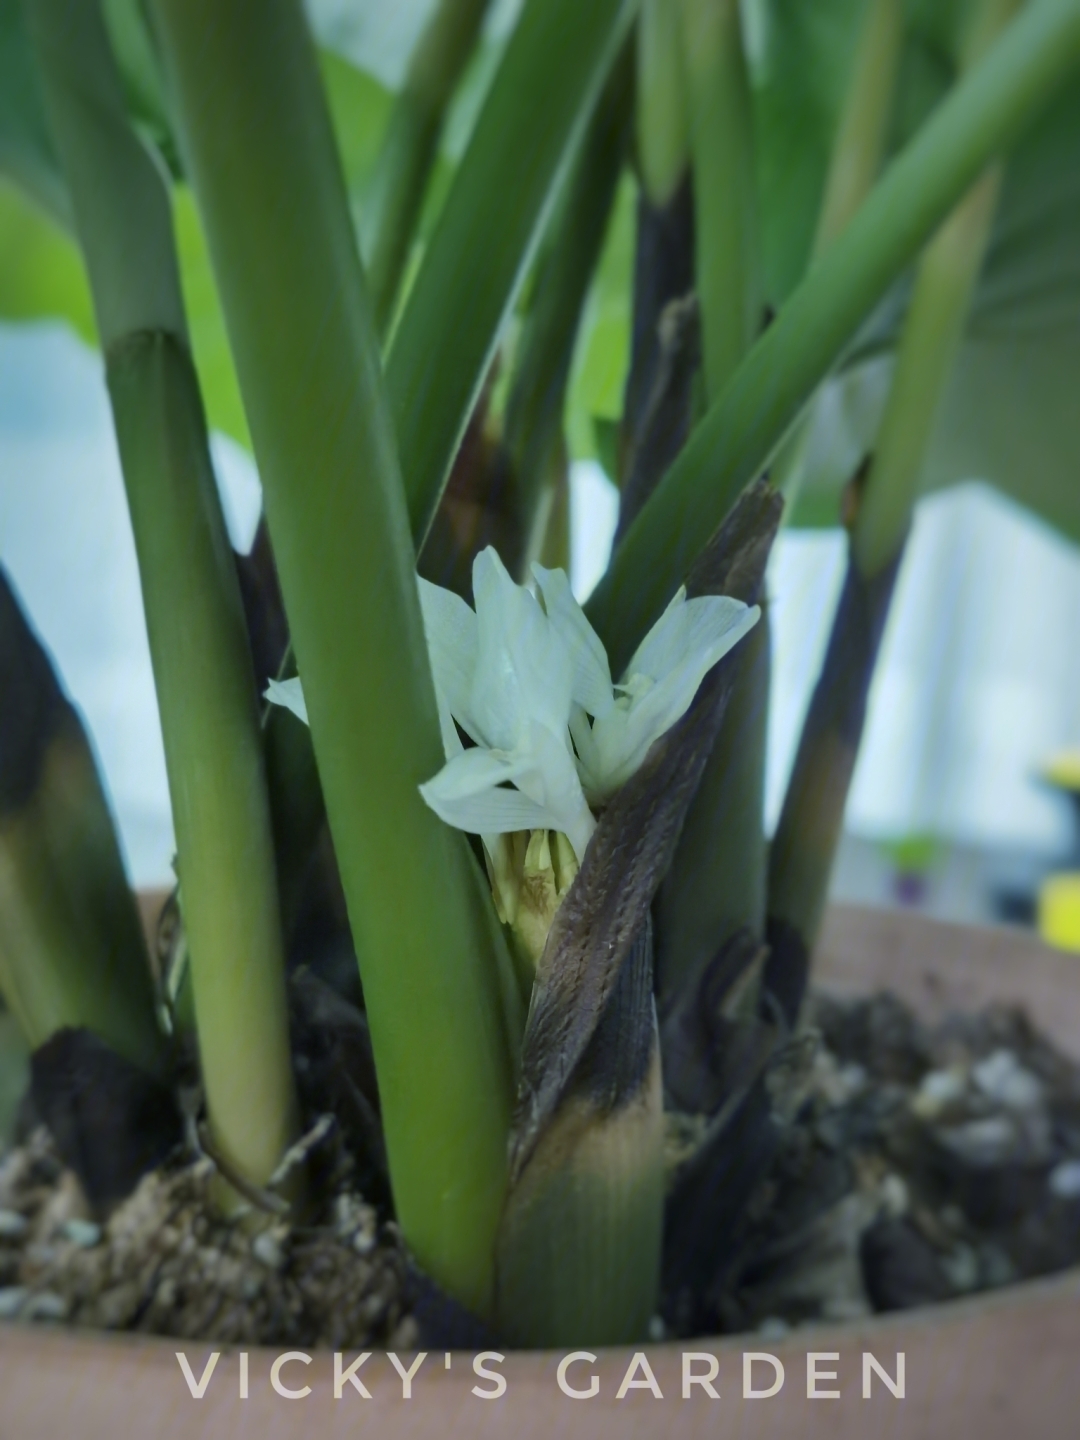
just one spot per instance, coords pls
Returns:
(602, 354)
(534, 114)
(359, 109)
(801, 56)
(26, 150)
(1009, 415)
(41, 270)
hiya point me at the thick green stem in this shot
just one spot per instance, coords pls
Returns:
(71, 946)
(983, 115)
(534, 115)
(409, 148)
(198, 641)
(727, 251)
(260, 152)
(663, 149)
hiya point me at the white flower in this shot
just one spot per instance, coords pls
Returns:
(505, 675)
(530, 685)
(659, 684)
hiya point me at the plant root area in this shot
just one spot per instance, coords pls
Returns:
(919, 1164)
(167, 1262)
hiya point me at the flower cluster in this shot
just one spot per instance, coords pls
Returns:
(526, 679)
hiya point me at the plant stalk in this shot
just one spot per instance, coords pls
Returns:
(409, 148)
(862, 132)
(554, 66)
(663, 146)
(727, 250)
(716, 885)
(259, 148)
(811, 820)
(198, 641)
(533, 432)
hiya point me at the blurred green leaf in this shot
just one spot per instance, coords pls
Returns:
(41, 271)
(209, 342)
(801, 57)
(1009, 416)
(133, 50)
(359, 109)
(26, 151)
(602, 354)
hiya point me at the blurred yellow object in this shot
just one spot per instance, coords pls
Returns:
(1063, 769)
(1059, 910)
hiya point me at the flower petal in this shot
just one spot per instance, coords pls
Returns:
(551, 777)
(469, 793)
(591, 685)
(524, 671)
(589, 764)
(663, 678)
(289, 694)
(452, 640)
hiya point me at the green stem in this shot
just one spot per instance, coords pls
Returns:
(534, 415)
(534, 115)
(409, 148)
(862, 132)
(857, 150)
(198, 642)
(725, 203)
(716, 885)
(982, 115)
(260, 152)
(210, 725)
(717, 881)
(27, 153)
(932, 332)
(811, 820)
(931, 336)
(663, 150)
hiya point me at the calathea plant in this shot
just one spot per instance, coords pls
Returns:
(580, 1056)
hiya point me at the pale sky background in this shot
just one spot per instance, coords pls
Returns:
(979, 677)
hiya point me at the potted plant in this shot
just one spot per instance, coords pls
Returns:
(587, 1058)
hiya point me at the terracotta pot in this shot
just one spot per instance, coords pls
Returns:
(999, 1367)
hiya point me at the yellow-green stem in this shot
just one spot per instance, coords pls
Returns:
(198, 640)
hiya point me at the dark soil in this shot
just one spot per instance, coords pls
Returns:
(922, 1164)
(925, 1163)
